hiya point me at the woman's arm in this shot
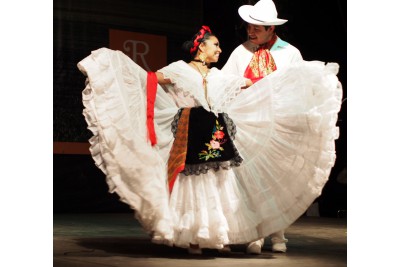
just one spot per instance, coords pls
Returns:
(161, 80)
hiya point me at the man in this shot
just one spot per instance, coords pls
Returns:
(263, 53)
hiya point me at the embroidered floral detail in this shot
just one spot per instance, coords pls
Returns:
(214, 148)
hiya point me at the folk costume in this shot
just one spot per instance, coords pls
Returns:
(214, 160)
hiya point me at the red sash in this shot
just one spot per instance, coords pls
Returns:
(151, 98)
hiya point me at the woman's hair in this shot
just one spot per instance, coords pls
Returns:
(193, 45)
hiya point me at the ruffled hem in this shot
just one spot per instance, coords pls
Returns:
(212, 211)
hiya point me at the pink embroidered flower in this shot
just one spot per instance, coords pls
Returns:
(214, 144)
(219, 134)
(215, 147)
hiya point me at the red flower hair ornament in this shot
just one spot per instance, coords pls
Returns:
(196, 43)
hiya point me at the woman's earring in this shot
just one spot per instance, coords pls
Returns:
(203, 58)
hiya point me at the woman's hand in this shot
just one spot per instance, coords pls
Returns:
(248, 84)
(161, 80)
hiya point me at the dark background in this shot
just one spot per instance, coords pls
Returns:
(317, 28)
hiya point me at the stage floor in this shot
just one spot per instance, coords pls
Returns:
(115, 239)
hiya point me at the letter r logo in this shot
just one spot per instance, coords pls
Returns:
(148, 50)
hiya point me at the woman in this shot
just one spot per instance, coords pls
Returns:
(181, 177)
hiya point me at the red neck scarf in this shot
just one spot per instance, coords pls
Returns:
(262, 62)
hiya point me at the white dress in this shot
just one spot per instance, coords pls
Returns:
(286, 128)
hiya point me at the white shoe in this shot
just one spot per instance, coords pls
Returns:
(255, 247)
(279, 244)
(279, 247)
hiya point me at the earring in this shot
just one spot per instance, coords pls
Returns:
(203, 58)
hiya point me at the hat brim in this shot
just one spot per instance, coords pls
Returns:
(244, 13)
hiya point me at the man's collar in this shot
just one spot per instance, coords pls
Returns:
(279, 44)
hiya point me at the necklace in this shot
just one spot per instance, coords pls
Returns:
(204, 75)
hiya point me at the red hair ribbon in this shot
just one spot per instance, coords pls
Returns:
(203, 31)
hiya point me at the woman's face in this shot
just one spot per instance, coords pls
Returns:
(211, 49)
(258, 34)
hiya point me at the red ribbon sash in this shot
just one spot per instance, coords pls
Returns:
(151, 98)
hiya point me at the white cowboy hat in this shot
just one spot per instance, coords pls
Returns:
(262, 13)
